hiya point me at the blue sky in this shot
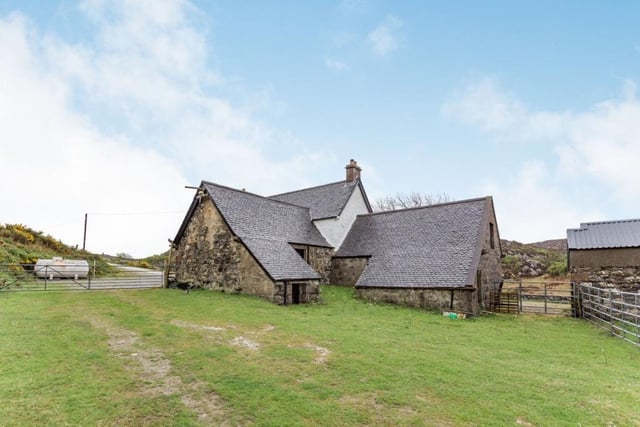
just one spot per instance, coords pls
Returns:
(111, 107)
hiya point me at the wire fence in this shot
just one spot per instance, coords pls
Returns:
(615, 311)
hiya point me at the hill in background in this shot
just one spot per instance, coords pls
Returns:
(522, 260)
(20, 244)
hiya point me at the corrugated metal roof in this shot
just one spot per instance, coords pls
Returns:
(324, 201)
(605, 234)
(267, 227)
(428, 247)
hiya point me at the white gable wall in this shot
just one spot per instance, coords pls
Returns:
(334, 230)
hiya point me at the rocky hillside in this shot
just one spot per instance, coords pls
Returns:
(20, 244)
(548, 258)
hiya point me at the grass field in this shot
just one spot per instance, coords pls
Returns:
(163, 357)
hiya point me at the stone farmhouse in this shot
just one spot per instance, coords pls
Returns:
(606, 254)
(283, 247)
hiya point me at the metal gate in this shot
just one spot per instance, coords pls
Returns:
(21, 277)
(540, 297)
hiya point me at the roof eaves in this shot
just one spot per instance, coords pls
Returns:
(192, 207)
(426, 286)
(362, 192)
(352, 256)
(477, 252)
(364, 195)
(326, 217)
(308, 244)
(346, 202)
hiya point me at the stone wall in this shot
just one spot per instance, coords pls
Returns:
(210, 257)
(309, 291)
(347, 271)
(461, 300)
(320, 261)
(490, 266)
(608, 268)
(625, 279)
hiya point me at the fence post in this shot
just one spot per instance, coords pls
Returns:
(46, 274)
(611, 311)
(545, 297)
(520, 297)
(94, 275)
(637, 319)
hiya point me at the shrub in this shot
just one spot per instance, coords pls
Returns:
(557, 268)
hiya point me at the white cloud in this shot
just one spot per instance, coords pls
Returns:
(530, 208)
(334, 64)
(486, 105)
(385, 38)
(598, 148)
(120, 123)
(601, 142)
(56, 166)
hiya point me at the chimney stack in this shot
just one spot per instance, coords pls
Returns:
(353, 171)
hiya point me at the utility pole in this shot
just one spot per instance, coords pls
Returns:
(84, 238)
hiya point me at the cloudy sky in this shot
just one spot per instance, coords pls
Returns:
(111, 107)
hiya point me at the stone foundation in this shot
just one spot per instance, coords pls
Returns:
(461, 300)
(309, 291)
(625, 279)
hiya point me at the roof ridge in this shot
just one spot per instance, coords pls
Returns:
(255, 195)
(613, 221)
(310, 188)
(456, 202)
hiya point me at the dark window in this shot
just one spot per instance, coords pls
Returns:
(302, 253)
(492, 242)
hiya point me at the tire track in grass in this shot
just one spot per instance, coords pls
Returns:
(153, 369)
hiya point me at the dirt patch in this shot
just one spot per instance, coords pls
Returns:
(197, 327)
(321, 353)
(153, 370)
(241, 341)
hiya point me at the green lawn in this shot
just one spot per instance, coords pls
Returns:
(164, 357)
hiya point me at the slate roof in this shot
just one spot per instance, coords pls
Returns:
(267, 227)
(324, 201)
(605, 234)
(431, 247)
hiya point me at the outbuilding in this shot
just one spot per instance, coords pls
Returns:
(444, 257)
(605, 254)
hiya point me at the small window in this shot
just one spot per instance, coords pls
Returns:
(302, 252)
(492, 242)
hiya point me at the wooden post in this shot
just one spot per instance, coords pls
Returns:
(519, 302)
(84, 237)
(545, 297)
(285, 293)
(167, 267)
